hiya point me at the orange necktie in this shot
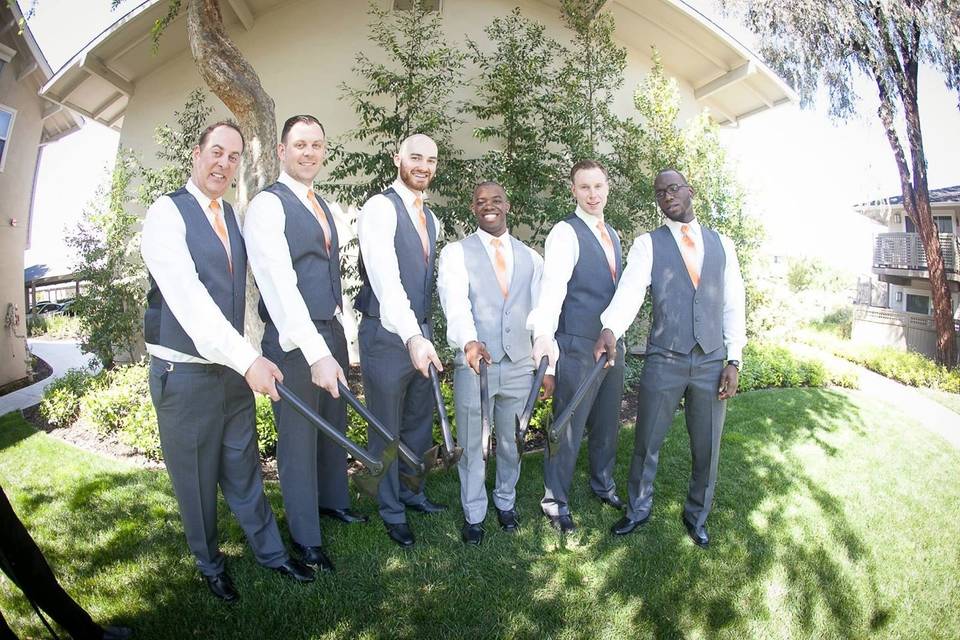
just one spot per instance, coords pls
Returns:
(321, 218)
(608, 249)
(221, 230)
(501, 266)
(422, 228)
(688, 248)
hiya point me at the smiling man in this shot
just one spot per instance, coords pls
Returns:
(488, 282)
(294, 252)
(202, 370)
(693, 351)
(398, 241)
(581, 270)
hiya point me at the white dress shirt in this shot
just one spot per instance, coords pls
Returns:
(164, 249)
(561, 253)
(269, 256)
(376, 228)
(636, 278)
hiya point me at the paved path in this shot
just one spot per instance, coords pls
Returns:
(931, 415)
(61, 356)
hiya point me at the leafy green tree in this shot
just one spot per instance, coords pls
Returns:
(817, 44)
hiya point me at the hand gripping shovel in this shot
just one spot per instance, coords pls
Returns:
(369, 478)
(523, 420)
(413, 482)
(553, 433)
(450, 453)
(484, 410)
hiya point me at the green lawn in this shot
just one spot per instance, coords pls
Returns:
(949, 400)
(834, 519)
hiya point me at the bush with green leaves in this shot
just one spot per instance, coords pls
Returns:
(61, 398)
(768, 366)
(266, 427)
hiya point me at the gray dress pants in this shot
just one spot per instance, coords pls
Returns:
(207, 421)
(599, 412)
(668, 376)
(508, 384)
(401, 398)
(312, 468)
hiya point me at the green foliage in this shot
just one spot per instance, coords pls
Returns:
(768, 366)
(61, 398)
(266, 427)
(838, 322)
(53, 326)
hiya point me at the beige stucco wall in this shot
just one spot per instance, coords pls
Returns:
(16, 187)
(304, 49)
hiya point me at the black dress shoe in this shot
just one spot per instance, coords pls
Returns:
(472, 533)
(221, 586)
(508, 520)
(117, 633)
(401, 534)
(613, 500)
(296, 571)
(563, 523)
(697, 534)
(427, 507)
(625, 525)
(314, 557)
(346, 516)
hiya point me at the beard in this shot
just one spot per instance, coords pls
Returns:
(413, 182)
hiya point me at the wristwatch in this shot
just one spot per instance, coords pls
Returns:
(735, 363)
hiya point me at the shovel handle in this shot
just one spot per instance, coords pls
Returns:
(484, 409)
(534, 394)
(441, 409)
(564, 418)
(408, 456)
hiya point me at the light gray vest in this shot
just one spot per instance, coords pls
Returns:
(500, 322)
(590, 288)
(684, 316)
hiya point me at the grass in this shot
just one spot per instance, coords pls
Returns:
(949, 400)
(832, 520)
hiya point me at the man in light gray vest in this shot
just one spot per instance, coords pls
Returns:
(488, 283)
(202, 370)
(398, 241)
(693, 351)
(581, 270)
(294, 251)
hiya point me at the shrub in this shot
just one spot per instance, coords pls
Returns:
(61, 399)
(767, 366)
(266, 427)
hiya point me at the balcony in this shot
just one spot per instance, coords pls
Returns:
(902, 254)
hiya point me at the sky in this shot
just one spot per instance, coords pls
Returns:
(802, 171)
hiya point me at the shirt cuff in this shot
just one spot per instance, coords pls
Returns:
(244, 359)
(735, 352)
(314, 348)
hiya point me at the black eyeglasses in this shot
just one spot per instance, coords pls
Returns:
(671, 189)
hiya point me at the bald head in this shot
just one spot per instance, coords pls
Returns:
(416, 161)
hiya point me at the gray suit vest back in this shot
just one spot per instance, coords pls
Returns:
(318, 274)
(684, 316)
(590, 288)
(416, 276)
(227, 290)
(500, 322)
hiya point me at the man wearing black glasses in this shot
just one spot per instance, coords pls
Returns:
(694, 348)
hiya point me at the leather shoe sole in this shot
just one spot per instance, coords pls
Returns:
(563, 523)
(625, 525)
(472, 533)
(221, 586)
(346, 516)
(401, 534)
(700, 538)
(296, 571)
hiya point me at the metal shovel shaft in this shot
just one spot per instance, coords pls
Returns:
(484, 410)
(442, 409)
(523, 420)
(588, 382)
(406, 453)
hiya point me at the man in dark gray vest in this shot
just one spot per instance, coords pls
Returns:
(398, 241)
(202, 370)
(294, 251)
(581, 270)
(693, 351)
(488, 283)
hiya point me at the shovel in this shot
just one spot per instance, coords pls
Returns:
(523, 420)
(450, 453)
(553, 433)
(484, 410)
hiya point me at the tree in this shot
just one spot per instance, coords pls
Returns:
(813, 44)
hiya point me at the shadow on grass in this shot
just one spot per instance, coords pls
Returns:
(118, 538)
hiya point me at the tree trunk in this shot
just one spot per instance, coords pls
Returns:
(232, 79)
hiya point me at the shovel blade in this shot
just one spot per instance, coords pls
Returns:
(368, 479)
(431, 458)
(411, 482)
(450, 458)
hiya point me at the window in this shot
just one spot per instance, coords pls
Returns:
(944, 224)
(7, 116)
(918, 304)
(407, 5)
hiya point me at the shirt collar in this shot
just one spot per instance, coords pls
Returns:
(406, 193)
(590, 219)
(200, 196)
(674, 226)
(299, 189)
(486, 238)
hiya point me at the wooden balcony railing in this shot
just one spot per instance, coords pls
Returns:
(905, 251)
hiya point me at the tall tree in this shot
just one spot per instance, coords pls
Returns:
(813, 43)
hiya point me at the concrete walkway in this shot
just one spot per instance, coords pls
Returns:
(61, 356)
(931, 415)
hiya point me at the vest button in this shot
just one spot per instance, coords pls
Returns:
(696, 301)
(508, 329)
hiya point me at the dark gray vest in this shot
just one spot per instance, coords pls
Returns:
(416, 276)
(500, 322)
(318, 274)
(684, 316)
(590, 288)
(228, 292)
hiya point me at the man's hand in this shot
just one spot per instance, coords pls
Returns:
(606, 344)
(729, 379)
(262, 377)
(547, 388)
(473, 351)
(325, 373)
(422, 354)
(545, 346)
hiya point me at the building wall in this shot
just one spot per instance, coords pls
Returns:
(302, 59)
(16, 187)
